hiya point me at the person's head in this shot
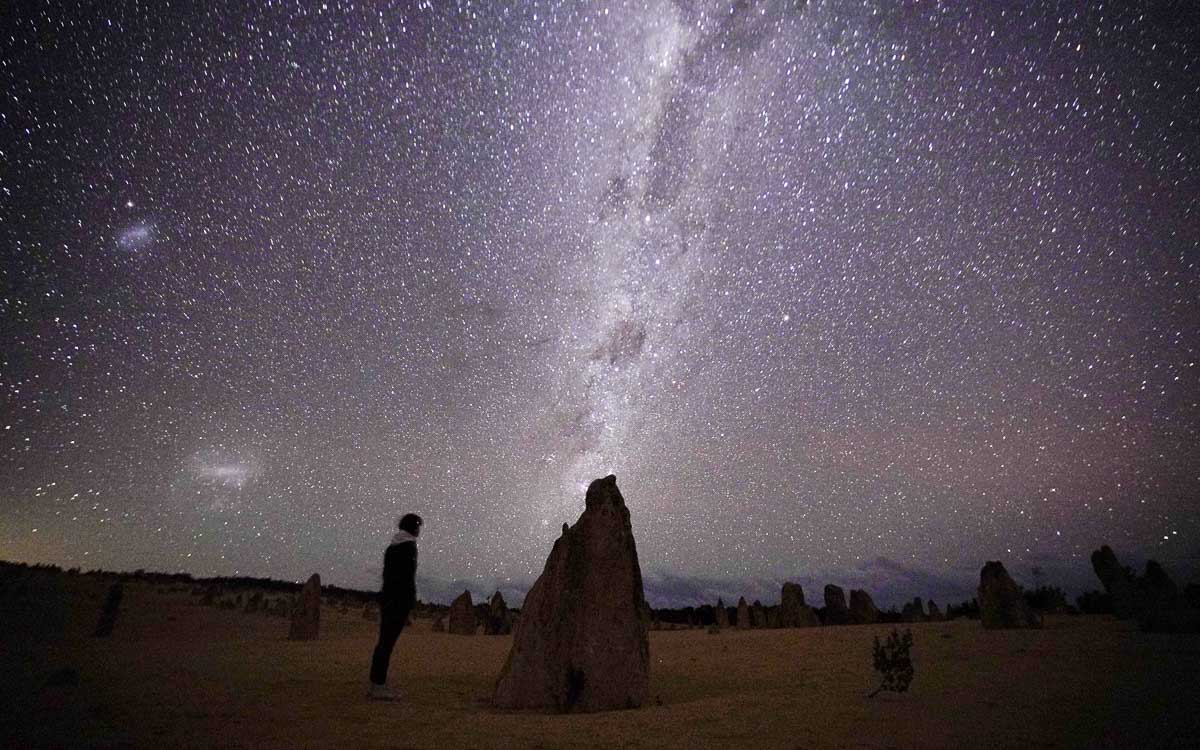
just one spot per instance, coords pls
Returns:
(411, 523)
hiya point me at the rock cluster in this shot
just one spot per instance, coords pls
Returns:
(1153, 598)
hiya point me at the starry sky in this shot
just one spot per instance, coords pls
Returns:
(865, 292)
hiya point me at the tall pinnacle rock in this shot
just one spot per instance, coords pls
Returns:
(581, 643)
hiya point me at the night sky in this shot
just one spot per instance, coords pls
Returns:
(860, 292)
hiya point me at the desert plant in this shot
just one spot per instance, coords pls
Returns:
(893, 662)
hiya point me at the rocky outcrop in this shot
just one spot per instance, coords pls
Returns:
(743, 614)
(1153, 598)
(1001, 602)
(254, 603)
(793, 612)
(462, 615)
(498, 621)
(581, 642)
(836, 611)
(913, 611)
(306, 613)
(282, 607)
(935, 614)
(1117, 580)
(722, 614)
(862, 608)
(758, 615)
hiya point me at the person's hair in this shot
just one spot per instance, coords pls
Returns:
(411, 523)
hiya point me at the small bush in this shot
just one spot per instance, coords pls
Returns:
(893, 663)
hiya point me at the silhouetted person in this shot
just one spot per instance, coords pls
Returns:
(396, 600)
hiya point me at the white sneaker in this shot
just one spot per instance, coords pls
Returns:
(382, 693)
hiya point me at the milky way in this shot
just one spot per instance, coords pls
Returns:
(862, 292)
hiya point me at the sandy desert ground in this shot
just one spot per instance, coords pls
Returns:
(180, 675)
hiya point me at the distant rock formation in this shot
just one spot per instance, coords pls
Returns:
(1117, 580)
(722, 614)
(758, 615)
(836, 611)
(1157, 587)
(913, 611)
(793, 612)
(462, 615)
(1001, 603)
(108, 614)
(1163, 610)
(283, 607)
(791, 599)
(306, 613)
(743, 614)
(862, 608)
(439, 623)
(497, 621)
(935, 614)
(1153, 598)
(581, 643)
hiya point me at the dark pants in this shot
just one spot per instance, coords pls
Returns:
(391, 622)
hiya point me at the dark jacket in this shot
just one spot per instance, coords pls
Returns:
(399, 576)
